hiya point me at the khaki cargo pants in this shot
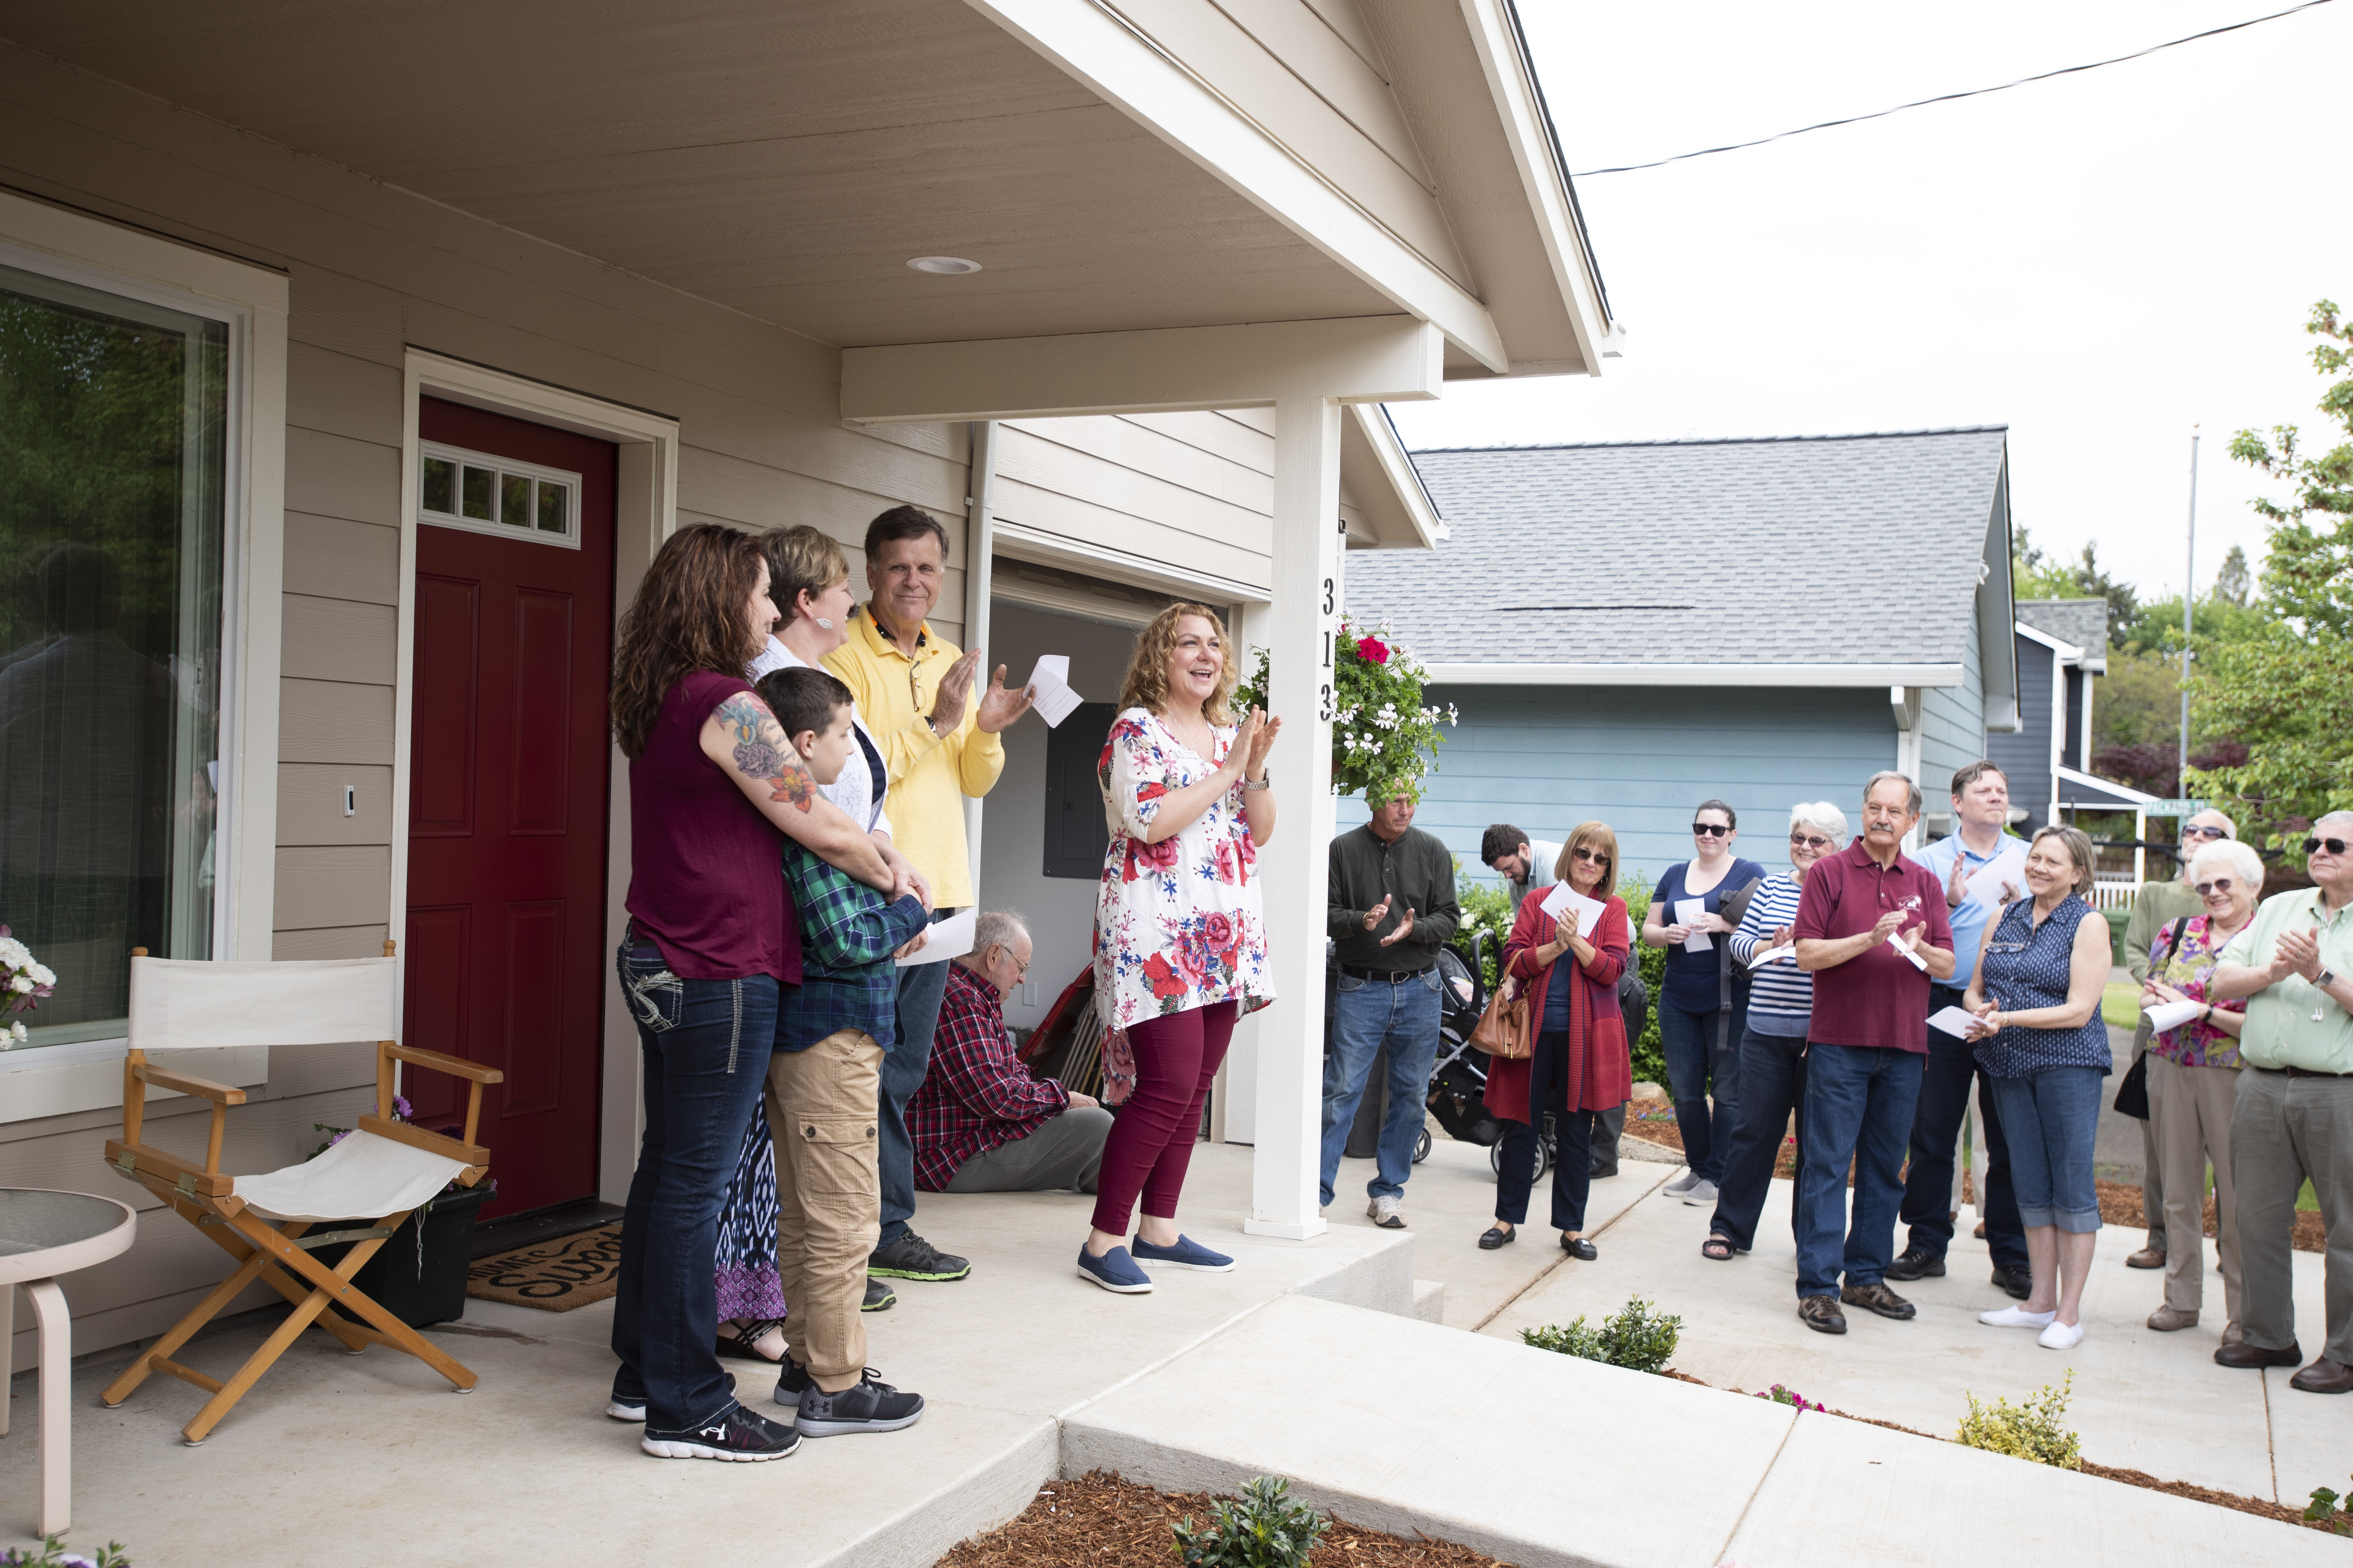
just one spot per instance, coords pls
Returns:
(828, 1198)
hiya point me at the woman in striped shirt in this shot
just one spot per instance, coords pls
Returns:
(1773, 1046)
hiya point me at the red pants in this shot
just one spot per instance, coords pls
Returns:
(1151, 1143)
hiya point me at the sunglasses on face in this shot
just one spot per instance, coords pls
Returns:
(2315, 846)
(1709, 830)
(1809, 841)
(2219, 885)
(1590, 856)
(2206, 833)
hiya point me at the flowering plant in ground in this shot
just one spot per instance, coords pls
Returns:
(2323, 1512)
(1634, 1339)
(53, 1552)
(1781, 1395)
(2028, 1431)
(25, 982)
(1384, 740)
(1261, 1529)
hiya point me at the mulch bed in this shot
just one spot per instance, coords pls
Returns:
(1103, 1522)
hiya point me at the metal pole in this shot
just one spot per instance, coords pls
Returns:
(2189, 597)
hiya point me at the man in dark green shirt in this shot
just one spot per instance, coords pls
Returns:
(1392, 907)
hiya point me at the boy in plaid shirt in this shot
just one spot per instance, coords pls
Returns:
(823, 1077)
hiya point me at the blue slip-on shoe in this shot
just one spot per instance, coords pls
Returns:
(1114, 1270)
(1186, 1254)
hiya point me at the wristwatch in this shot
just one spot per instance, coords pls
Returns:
(931, 723)
(2325, 979)
(1266, 782)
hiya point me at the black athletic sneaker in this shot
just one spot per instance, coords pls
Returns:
(913, 1257)
(794, 1379)
(872, 1406)
(734, 1434)
(879, 1295)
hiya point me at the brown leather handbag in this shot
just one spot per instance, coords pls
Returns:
(1502, 1029)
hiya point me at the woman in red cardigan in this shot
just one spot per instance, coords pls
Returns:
(1578, 1067)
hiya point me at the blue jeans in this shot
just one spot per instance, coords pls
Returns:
(905, 1060)
(1858, 1106)
(1368, 1013)
(1695, 1064)
(1772, 1090)
(705, 1044)
(2052, 1116)
(1928, 1187)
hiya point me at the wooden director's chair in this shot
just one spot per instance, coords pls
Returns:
(376, 1176)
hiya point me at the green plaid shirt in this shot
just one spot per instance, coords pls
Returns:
(848, 932)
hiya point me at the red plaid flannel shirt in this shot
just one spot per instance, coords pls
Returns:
(977, 1095)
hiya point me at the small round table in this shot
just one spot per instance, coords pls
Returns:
(43, 1235)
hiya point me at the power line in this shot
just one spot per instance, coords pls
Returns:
(1951, 96)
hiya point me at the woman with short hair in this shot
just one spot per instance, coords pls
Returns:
(1577, 1064)
(2044, 1048)
(1773, 1045)
(1701, 1002)
(2193, 1082)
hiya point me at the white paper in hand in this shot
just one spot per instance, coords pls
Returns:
(1050, 689)
(952, 938)
(1773, 955)
(2171, 1014)
(1560, 898)
(1984, 884)
(1955, 1021)
(1690, 912)
(1895, 940)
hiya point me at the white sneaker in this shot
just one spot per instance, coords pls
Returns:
(2062, 1336)
(1386, 1213)
(1700, 1195)
(2018, 1318)
(1683, 1184)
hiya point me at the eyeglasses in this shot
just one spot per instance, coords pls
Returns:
(1809, 840)
(1709, 829)
(1590, 856)
(2315, 846)
(2206, 833)
(2219, 885)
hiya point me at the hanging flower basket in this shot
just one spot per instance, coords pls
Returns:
(1383, 740)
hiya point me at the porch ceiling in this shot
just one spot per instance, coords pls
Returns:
(782, 159)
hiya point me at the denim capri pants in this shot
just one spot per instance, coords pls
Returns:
(2050, 1117)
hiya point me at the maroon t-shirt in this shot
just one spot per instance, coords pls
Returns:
(706, 870)
(1879, 997)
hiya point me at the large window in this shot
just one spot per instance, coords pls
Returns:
(113, 447)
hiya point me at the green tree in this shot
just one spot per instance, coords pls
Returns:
(2036, 575)
(2286, 692)
(2233, 585)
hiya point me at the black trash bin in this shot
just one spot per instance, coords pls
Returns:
(427, 1287)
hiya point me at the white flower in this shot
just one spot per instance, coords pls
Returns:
(21, 984)
(16, 1032)
(43, 974)
(14, 954)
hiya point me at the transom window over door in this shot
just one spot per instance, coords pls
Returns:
(113, 461)
(502, 496)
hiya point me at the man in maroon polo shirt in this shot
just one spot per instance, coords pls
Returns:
(1872, 931)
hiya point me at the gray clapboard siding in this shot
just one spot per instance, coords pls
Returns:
(336, 639)
(334, 476)
(333, 558)
(1952, 727)
(324, 885)
(333, 722)
(310, 804)
(1639, 758)
(340, 395)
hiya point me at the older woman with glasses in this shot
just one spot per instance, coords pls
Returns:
(1773, 1046)
(2193, 1082)
(1576, 1066)
(2044, 1048)
(1701, 1005)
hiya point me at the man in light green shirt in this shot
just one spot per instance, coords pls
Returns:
(2292, 1118)
(2153, 906)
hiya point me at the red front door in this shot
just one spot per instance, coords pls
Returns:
(509, 764)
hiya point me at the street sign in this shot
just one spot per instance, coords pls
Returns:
(2177, 807)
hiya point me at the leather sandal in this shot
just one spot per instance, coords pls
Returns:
(1719, 1247)
(1498, 1235)
(742, 1343)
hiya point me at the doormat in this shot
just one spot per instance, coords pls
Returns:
(553, 1276)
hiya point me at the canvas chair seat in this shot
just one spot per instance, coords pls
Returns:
(363, 1177)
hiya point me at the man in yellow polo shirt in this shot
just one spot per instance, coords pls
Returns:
(2293, 1116)
(915, 692)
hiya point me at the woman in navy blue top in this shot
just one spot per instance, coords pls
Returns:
(2044, 1048)
(1702, 1003)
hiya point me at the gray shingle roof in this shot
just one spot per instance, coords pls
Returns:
(2083, 622)
(1802, 550)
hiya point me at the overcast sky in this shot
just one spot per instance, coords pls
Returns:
(2098, 262)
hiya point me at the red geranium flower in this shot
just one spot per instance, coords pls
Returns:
(1374, 650)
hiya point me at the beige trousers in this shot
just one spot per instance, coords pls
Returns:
(821, 1107)
(2189, 1114)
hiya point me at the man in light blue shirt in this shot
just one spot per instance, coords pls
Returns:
(1982, 869)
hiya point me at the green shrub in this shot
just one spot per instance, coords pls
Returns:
(1635, 1339)
(1261, 1529)
(54, 1554)
(2030, 1431)
(1487, 905)
(2323, 1512)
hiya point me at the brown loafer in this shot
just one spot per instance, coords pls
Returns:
(2247, 1357)
(1877, 1298)
(2146, 1258)
(2324, 1376)
(2166, 1319)
(1821, 1314)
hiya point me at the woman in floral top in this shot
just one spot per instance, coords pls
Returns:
(2193, 1079)
(1181, 945)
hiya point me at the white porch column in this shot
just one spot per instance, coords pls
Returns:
(1305, 615)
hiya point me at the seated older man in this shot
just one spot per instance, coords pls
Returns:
(983, 1122)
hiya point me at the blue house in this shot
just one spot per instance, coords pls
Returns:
(1628, 630)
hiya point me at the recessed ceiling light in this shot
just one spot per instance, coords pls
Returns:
(947, 266)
